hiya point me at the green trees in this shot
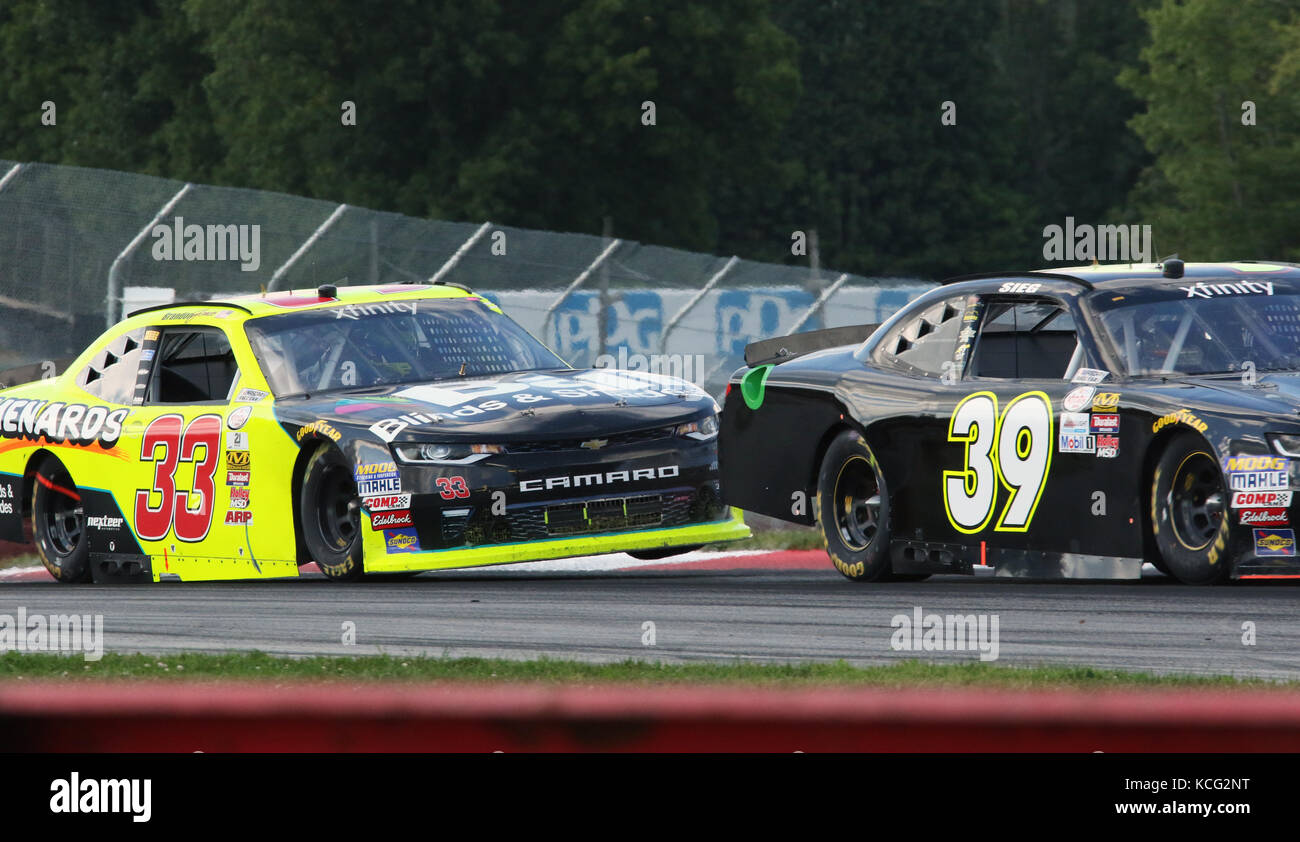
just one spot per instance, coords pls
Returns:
(720, 126)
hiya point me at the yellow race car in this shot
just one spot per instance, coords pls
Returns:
(373, 429)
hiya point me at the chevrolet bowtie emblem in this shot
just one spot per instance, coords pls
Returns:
(595, 444)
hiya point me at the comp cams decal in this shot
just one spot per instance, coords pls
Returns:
(1011, 449)
(61, 423)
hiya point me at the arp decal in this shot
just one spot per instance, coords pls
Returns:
(451, 488)
(1012, 449)
(60, 423)
(1182, 416)
(401, 541)
(239, 518)
(239, 460)
(189, 513)
(1275, 542)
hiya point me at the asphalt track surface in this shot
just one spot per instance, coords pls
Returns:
(727, 608)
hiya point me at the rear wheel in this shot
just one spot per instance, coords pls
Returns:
(331, 515)
(1189, 512)
(59, 524)
(852, 509)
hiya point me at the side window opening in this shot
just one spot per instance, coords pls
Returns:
(192, 366)
(924, 344)
(112, 374)
(1026, 339)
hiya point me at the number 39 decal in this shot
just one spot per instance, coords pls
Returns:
(1013, 449)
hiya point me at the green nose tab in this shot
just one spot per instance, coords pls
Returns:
(753, 384)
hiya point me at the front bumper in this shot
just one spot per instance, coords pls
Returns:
(379, 557)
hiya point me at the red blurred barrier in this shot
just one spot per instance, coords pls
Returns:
(174, 717)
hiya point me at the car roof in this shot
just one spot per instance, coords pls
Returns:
(1116, 276)
(256, 305)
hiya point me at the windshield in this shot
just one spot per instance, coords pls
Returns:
(392, 342)
(1154, 333)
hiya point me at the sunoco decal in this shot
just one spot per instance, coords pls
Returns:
(401, 541)
(57, 422)
(1274, 542)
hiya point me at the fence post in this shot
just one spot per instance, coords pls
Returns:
(460, 252)
(114, 271)
(577, 282)
(695, 299)
(302, 249)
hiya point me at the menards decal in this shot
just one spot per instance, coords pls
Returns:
(58, 422)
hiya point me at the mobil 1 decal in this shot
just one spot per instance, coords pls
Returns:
(167, 442)
(1004, 451)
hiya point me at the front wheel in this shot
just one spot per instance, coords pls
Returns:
(331, 516)
(59, 524)
(852, 508)
(1189, 515)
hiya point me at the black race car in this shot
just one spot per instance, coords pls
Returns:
(1045, 424)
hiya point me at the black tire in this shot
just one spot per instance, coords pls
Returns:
(852, 508)
(330, 511)
(664, 552)
(1189, 512)
(59, 524)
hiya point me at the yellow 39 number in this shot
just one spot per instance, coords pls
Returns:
(1013, 449)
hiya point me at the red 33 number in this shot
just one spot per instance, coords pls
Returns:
(449, 488)
(189, 511)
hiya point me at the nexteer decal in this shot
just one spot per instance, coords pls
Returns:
(105, 522)
(1265, 517)
(391, 520)
(387, 503)
(70, 423)
(1261, 499)
(598, 479)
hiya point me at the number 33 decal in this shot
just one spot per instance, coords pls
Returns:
(1013, 449)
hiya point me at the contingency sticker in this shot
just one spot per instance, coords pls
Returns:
(1089, 375)
(1078, 399)
(1274, 542)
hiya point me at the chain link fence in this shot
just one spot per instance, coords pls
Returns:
(79, 247)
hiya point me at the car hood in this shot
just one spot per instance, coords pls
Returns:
(510, 407)
(1270, 393)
